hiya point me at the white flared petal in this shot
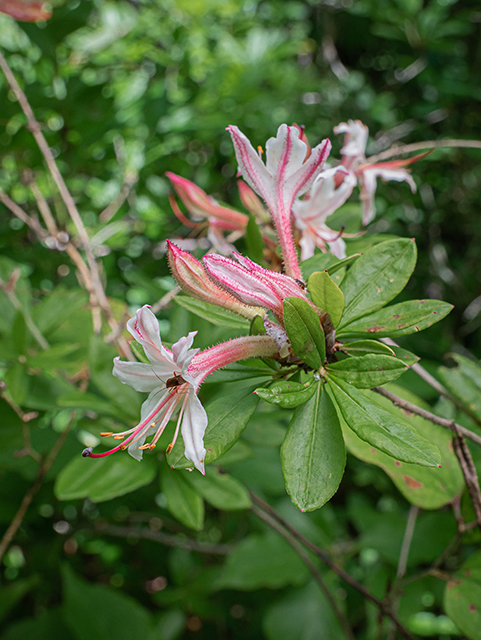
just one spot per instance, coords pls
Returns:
(301, 180)
(285, 153)
(194, 424)
(251, 166)
(182, 352)
(142, 376)
(338, 248)
(308, 246)
(356, 137)
(145, 329)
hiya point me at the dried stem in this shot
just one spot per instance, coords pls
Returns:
(465, 459)
(328, 562)
(401, 149)
(427, 415)
(33, 223)
(28, 497)
(166, 539)
(316, 574)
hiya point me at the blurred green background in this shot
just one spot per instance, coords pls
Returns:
(128, 91)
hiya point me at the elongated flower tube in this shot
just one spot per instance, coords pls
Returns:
(192, 277)
(286, 175)
(310, 213)
(354, 160)
(172, 379)
(252, 284)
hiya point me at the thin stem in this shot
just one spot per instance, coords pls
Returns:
(465, 459)
(328, 562)
(427, 415)
(166, 539)
(403, 561)
(28, 497)
(316, 574)
(32, 222)
(8, 288)
(418, 146)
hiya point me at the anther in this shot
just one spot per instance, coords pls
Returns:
(106, 434)
(123, 447)
(86, 453)
(169, 448)
(117, 437)
(260, 151)
(152, 445)
(144, 446)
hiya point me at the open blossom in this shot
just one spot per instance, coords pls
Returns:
(172, 380)
(354, 160)
(288, 173)
(310, 214)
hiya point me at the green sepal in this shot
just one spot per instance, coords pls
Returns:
(326, 295)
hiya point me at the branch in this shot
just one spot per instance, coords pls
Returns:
(427, 415)
(316, 574)
(33, 223)
(328, 562)
(401, 149)
(9, 290)
(463, 455)
(166, 539)
(28, 497)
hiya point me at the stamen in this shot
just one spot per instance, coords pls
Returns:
(152, 445)
(119, 437)
(169, 448)
(179, 420)
(106, 434)
(260, 151)
(123, 447)
(144, 446)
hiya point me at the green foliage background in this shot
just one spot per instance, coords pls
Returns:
(128, 91)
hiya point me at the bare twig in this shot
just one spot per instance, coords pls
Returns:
(112, 208)
(401, 149)
(166, 539)
(165, 300)
(27, 450)
(403, 561)
(32, 327)
(28, 497)
(328, 562)
(427, 415)
(316, 574)
(32, 222)
(465, 459)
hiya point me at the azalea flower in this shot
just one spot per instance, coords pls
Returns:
(288, 173)
(172, 379)
(354, 160)
(310, 213)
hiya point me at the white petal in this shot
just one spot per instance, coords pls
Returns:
(182, 352)
(194, 424)
(145, 329)
(285, 153)
(338, 248)
(142, 376)
(301, 180)
(308, 245)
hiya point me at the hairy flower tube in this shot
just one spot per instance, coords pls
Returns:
(288, 173)
(172, 379)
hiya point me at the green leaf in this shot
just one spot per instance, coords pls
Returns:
(286, 394)
(228, 417)
(139, 352)
(254, 241)
(399, 319)
(257, 327)
(464, 381)
(262, 561)
(406, 356)
(57, 307)
(56, 357)
(18, 382)
(93, 612)
(424, 487)
(220, 490)
(343, 263)
(313, 455)
(303, 614)
(13, 593)
(318, 262)
(326, 295)
(377, 277)
(365, 347)
(103, 479)
(462, 597)
(47, 624)
(214, 314)
(305, 332)
(366, 372)
(88, 402)
(380, 428)
(183, 501)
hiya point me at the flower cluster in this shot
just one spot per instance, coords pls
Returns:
(299, 194)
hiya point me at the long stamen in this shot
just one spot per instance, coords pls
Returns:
(179, 421)
(87, 453)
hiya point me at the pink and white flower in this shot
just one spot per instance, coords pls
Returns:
(310, 214)
(288, 173)
(172, 380)
(354, 160)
